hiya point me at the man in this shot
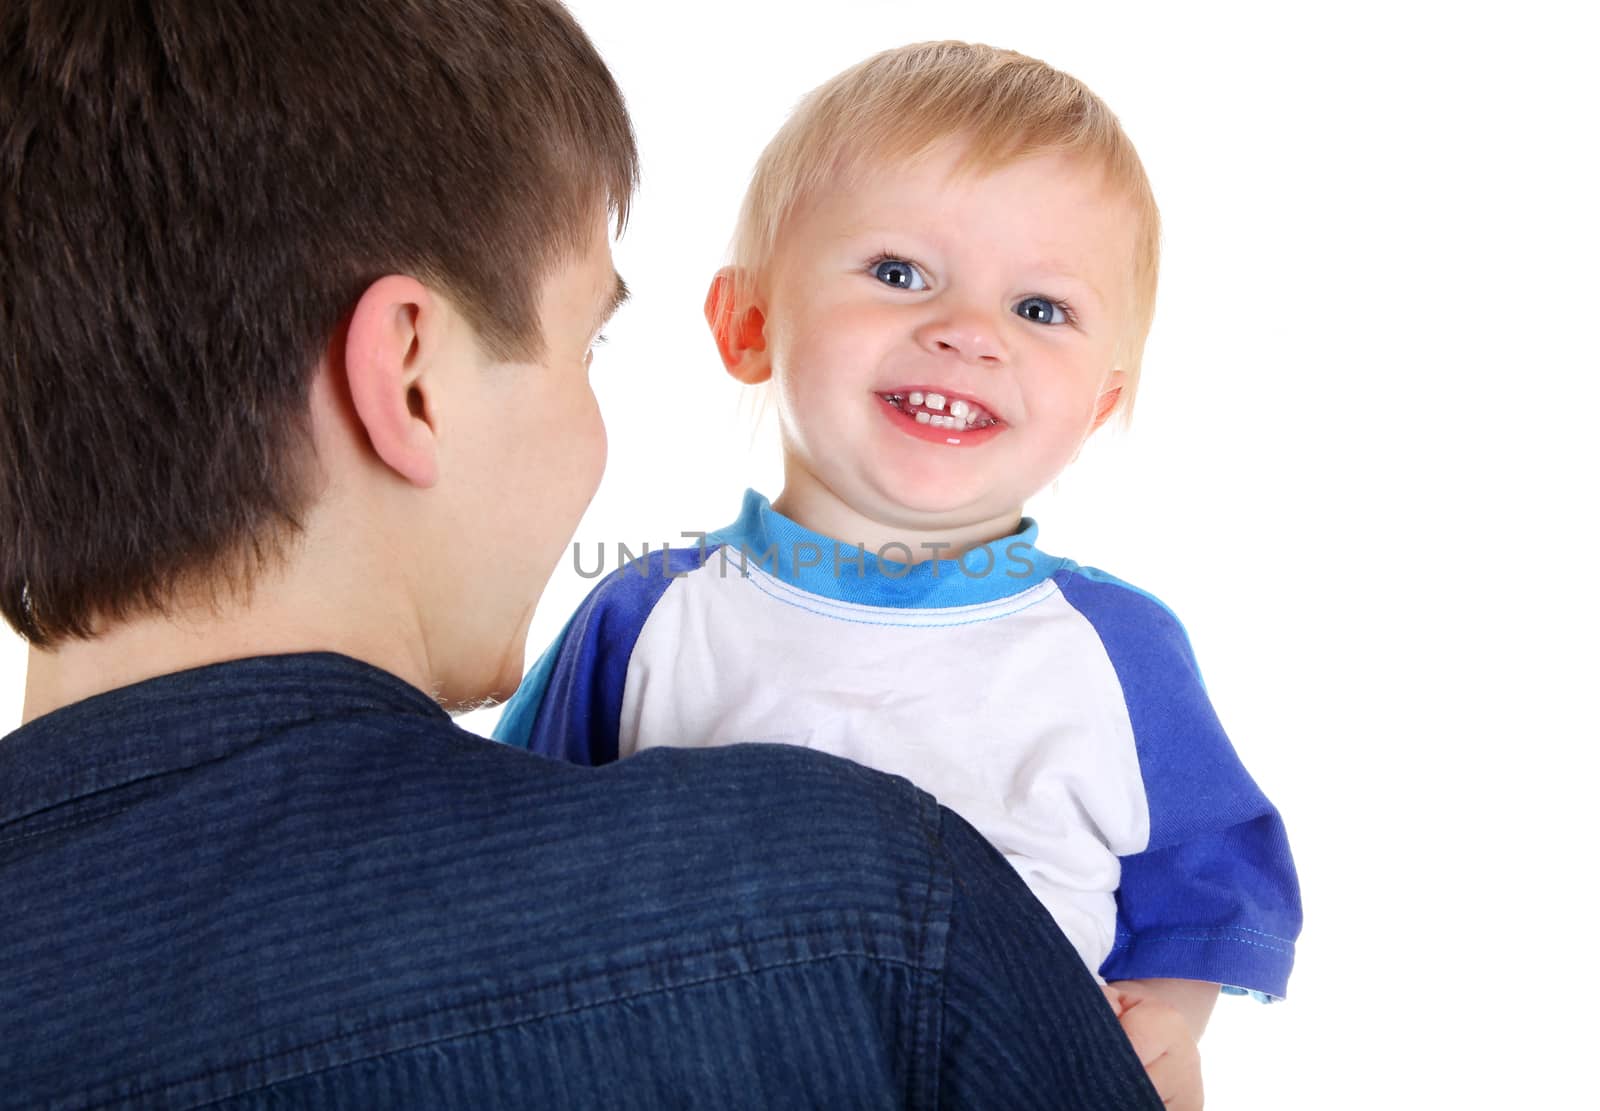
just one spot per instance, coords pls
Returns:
(296, 308)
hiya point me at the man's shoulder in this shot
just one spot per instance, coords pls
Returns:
(806, 806)
(348, 889)
(747, 873)
(765, 813)
(764, 825)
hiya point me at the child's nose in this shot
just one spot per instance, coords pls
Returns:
(965, 333)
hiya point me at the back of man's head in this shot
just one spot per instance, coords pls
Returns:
(192, 197)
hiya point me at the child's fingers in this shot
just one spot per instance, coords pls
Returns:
(1161, 1039)
(1117, 999)
(1176, 1078)
(1155, 1029)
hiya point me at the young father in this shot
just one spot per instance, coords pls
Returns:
(296, 302)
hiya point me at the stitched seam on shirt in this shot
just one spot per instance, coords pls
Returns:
(164, 771)
(1229, 940)
(1227, 930)
(89, 821)
(896, 624)
(118, 784)
(993, 609)
(1218, 934)
(783, 587)
(541, 1016)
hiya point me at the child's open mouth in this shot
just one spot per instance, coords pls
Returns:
(938, 410)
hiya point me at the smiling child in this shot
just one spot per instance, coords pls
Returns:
(946, 267)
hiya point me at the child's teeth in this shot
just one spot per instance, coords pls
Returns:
(962, 415)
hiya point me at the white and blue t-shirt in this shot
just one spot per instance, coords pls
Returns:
(1056, 708)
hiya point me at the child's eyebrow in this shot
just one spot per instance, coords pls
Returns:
(1085, 283)
(1060, 271)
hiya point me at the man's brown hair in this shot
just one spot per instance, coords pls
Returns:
(193, 196)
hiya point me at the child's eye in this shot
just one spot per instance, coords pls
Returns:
(898, 273)
(1044, 311)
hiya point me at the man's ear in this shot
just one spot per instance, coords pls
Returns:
(740, 333)
(1106, 404)
(391, 338)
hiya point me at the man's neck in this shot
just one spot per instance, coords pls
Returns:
(281, 617)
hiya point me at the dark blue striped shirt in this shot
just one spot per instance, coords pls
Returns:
(291, 881)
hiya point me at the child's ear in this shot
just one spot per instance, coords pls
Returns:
(740, 334)
(1106, 404)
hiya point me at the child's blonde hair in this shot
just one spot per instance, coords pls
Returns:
(895, 105)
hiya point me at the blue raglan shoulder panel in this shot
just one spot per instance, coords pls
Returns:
(1213, 896)
(569, 705)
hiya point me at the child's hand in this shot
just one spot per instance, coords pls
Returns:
(1165, 1045)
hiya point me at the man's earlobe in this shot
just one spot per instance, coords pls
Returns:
(387, 347)
(739, 332)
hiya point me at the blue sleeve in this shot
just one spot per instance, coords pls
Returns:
(569, 706)
(1214, 895)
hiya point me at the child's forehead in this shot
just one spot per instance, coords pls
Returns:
(864, 191)
(955, 167)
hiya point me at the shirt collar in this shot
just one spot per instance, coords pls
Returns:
(187, 718)
(763, 539)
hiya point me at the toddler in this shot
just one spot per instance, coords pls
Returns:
(946, 267)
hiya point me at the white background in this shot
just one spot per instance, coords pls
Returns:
(1362, 468)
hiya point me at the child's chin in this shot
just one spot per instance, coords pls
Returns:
(945, 510)
(928, 504)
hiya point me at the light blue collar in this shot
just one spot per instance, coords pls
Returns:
(765, 539)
